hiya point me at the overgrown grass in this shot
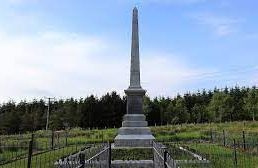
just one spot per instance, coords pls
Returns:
(132, 154)
(184, 133)
(188, 132)
(225, 157)
(46, 159)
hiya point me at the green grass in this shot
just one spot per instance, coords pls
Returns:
(224, 157)
(187, 134)
(132, 154)
(11, 154)
(42, 140)
(46, 159)
(219, 156)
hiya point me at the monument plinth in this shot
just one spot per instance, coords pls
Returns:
(134, 131)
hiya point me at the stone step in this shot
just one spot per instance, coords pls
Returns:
(134, 131)
(134, 117)
(132, 163)
(142, 141)
(134, 123)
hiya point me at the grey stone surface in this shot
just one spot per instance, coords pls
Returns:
(134, 104)
(132, 163)
(135, 137)
(135, 62)
(134, 117)
(133, 141)
(134, 124)
(134, 131)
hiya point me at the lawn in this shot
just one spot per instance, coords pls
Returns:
(49, 146)
(45, 159)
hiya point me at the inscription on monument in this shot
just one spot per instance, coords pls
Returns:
(134, 104)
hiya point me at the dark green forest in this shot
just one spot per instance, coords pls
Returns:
(218, 105)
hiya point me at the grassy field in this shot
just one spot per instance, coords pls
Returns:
(188, 132)
(16, 146)
(45, 159)
(224, 156)
(204, 139)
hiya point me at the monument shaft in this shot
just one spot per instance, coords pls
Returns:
(135, 93)
(135, 62)
(134, 131)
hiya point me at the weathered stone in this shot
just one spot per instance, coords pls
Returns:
(132, 163)
(134, 141)
(134, 117)
(134, 131)
(135, 62)
(134, 124)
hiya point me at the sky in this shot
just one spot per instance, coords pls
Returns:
(64, 48)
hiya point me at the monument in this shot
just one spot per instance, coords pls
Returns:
(134, 131)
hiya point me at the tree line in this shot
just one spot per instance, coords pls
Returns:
(218, 105)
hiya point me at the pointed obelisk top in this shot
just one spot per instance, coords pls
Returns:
(135, 9)
(135, 62)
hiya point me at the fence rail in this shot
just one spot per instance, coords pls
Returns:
(40, 150)
(217, 149)
(16, 147)
(244, 140)
(210, 154)
(161, 158)
(96, 156)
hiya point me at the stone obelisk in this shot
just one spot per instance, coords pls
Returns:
(134, 131)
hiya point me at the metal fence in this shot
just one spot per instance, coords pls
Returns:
(96, 156)
(243, 140)
(217, 149)
(38, 150)
(161, 158)
(16, 147)
(44, 159)
(208, 154)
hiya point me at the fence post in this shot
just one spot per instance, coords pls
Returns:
(224, 138)
(165, 158)
(211, 135)
(82, 160)
(235, 154)
(244, 145)
(30, 151)
(102, 135)
(109, 155)
(52, 140)
(66, 134)
(1, 144)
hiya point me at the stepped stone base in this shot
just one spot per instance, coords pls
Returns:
(132, 163)
(134, 132)
(134, 124)
(133, 141)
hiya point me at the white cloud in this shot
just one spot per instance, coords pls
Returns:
(220, 25)
(66, 64)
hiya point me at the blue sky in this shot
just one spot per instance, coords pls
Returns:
(76, 48)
